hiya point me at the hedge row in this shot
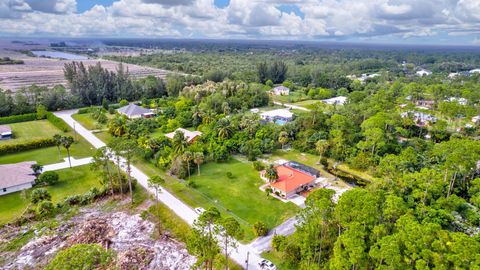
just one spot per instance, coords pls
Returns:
(18, 118)
(34, 144)
(57, 122)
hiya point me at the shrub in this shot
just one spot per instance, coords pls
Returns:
(40, 194)
(48, 178)
(29, 145)
(260, 229)
(123, 102)
(229, 175)
(41, 112)
(57, 122)
(257, 165)
(18, 118)
(45, 208)
(83, 110)
(73, 200)
(82, 256)
(278, 242)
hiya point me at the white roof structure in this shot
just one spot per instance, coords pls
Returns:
(189, 135)
(283, 113)
(17, 174)
(423, 72)
(280, 90)
(461, 101)
(5, 130)
(134, 111)
(336, 100)
(477, 70)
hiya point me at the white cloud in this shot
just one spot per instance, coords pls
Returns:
(244, 18)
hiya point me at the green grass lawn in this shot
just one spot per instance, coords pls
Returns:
(73, 181)
(86, 120)
(104, 136)
(31, 130)
(238, 197)
(293, 97)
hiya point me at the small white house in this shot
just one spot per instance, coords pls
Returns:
(16, 177)
(280, 91)
(423, 72)
(340, 100)
(5, 132)
(133, 111)
(461, 101)
(279, 116)
(477, 70)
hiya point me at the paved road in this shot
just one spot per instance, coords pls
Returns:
(262, 244)
(65, 164)
(291, 106)
(180, 208)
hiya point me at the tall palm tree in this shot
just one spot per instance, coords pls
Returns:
(271, 174)
(101, 160)
(57, 138)
(187, 157)
(321, 146)
(128, 149)
(283, 138)
(179, 142)
(156, 183)
(67, 141)
(114, 145)
(198, 158)
(224, 130)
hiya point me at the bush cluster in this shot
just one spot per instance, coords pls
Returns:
(34, 144)
(57, 122)
(18, 118)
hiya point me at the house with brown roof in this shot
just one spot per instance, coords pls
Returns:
(5, 132)
(291, 180)
(16, 177)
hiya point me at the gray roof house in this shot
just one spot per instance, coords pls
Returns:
(16, 177)
(5, 132)
(134, 111)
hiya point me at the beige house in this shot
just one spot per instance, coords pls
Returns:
(190, 136)
(16, 177)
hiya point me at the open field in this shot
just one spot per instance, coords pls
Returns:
(48, 155)
(73, 181)
(32, 130)
(86, 120)
(49, 72)
(293, 97)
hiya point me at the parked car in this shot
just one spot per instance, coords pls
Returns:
(199, 210)
(267, 265)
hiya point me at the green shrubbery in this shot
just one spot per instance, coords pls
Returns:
(18, 118)
(57, 122)
(260, 229)
(34, 144)
(47, 178)
(82, 256)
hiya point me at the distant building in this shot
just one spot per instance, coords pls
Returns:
(426, 104)
(190, 136)
(340, 100)
(420, 118)
(461, 101)
(293, 178)
(5, 132)
(279, 116)
(280, 91)
(16, 177)
(133, 111)
(475, 118)
(423, 72)
(477, 70)
(363, 77)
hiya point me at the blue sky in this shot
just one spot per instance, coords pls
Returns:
(369, 21)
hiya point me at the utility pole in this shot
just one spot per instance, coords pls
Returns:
(246, 261)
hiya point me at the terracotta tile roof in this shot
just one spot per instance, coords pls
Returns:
(290, 179)
(16, 174)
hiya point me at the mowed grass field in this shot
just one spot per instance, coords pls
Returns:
(239, 197)
(86, 120)
(77, 180)
(32, 130)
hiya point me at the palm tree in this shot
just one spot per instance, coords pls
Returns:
(321, 146)
(271, 174)
(224, 130)
(179, 142)
(156, 183)
(198, 158)
(283, 138)
(114, 145)
(57, 138)
(67, 141)
(187, 157)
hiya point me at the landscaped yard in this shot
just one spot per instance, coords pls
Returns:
(239, 196)
(32, 130)
(43, 129)
(73, 181)
(293, 97)
(86, 120)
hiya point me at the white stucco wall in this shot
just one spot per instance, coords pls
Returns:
(15, 188)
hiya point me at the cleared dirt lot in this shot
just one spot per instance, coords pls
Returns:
(49, 72)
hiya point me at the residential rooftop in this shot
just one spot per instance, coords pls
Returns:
(16, 174)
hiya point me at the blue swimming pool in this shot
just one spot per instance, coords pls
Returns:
(280, 122)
